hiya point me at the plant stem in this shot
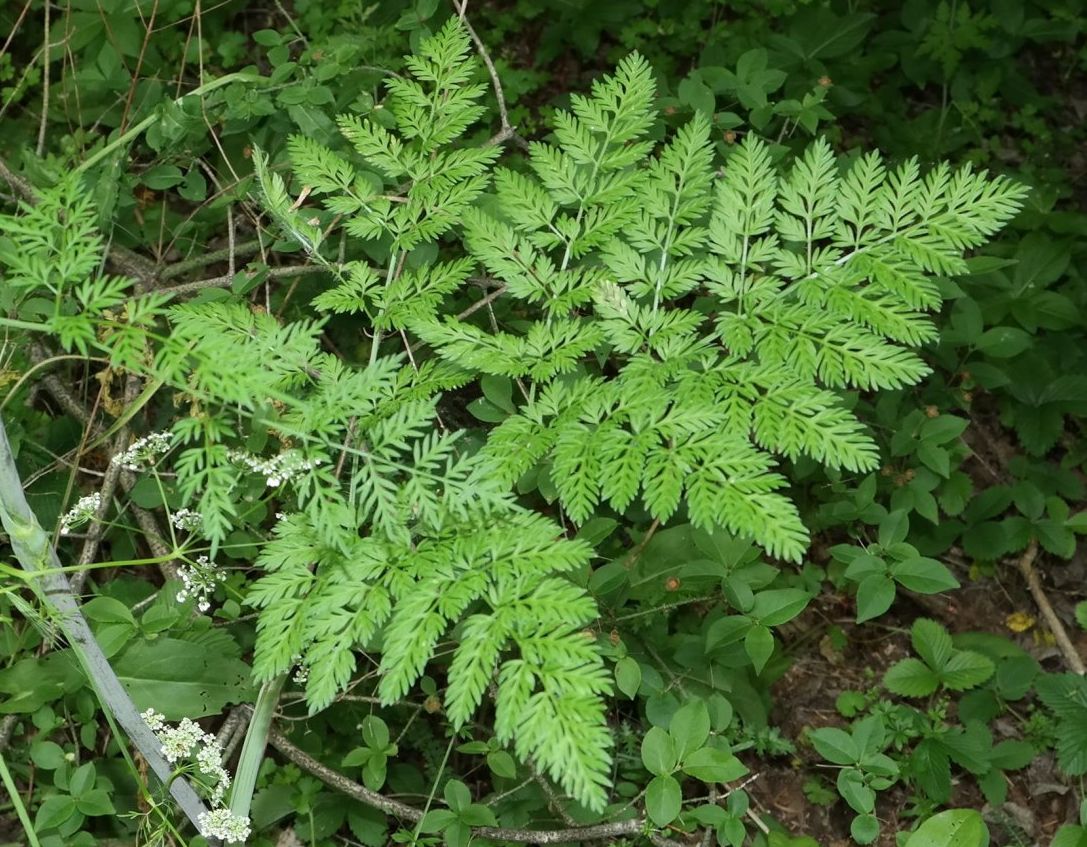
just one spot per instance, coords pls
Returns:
(20, 809)
(125, 137)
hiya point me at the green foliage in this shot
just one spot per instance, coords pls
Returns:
(1066, 696)
(953, 828)
(864, 770)
(817, 283)
(889, 563)
(530, 421)
(940, 665)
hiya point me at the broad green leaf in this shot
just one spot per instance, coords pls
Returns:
(663, 800)
(628, 676)
(864, 565)
(923, 575)
(478, 815)
(894, 528)
(773, 608)
(1003, 342)
(953, 828)
(911, 678)
(759, 644)
(875, 594)
(864, 829)
(943, 428)
(690, 727)
(94, 803)
(835, 745)
(710, 764)
(182, 679)
(47, 755)
(1070, 835)
(375, 732)
(457, 795)
(502, 764)
(437, 819)
(658, 751)
(859, 796)
(54, 811)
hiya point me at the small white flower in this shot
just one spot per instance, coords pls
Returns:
(144, 452)
(278, 469)
(154, 720)
(199, 582)
(209, 761)
(187, 740)
(187, 520)
(83, 511)
(301, 675)
(178, 742)
(225, 825)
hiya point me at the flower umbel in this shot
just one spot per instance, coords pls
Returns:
(199, 581)
(144, 452)
(82, 512)
(225, 825)
(186, 519)
(188, 741)
(278, 469)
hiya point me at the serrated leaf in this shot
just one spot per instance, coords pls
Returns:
(932, 642)
(966, 669)
(911, 678)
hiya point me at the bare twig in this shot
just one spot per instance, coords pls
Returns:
(507, 132)
(485, 301)
(15, 28)
(109, 485)
(232, 731)
(147, 522)
(98, 526)
(45, 84)
(597, 832)
(245, 248)
(227, 279)
(1067, 648)
(7, 727)
(554, 802)
(22, 187)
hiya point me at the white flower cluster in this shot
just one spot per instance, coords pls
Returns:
(278, 469)
(199, 581)
(225, 825)
(187, 520)
(82, 512)
(145, 452)
(188, 741)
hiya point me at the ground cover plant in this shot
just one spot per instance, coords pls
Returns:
(542, 423)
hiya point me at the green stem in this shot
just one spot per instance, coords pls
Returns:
(30, 325)
(136, 129)
(256, 739)
(434, 787)
(20, 809)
